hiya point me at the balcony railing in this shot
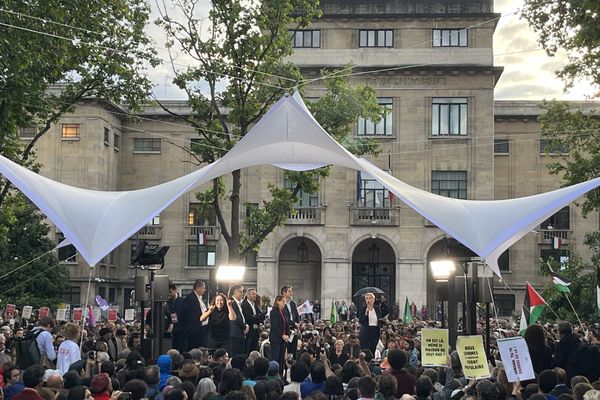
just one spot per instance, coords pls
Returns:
(548, 235)
(374, 216)
(150, 232)
(210, 232)
(306, 216)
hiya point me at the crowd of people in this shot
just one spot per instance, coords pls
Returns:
(230, 349)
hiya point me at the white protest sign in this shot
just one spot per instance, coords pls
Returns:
(516, 359)
(61, 314)
(129, 314)
(27, 312)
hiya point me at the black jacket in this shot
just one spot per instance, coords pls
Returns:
(566, 354)
(294, 317)
(237, 326)
(363, 319)
(279, 327)
(191, 314)
(251, 319)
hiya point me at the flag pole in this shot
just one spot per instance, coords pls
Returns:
(569, 300)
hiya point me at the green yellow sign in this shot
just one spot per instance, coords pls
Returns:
(434, 347)
(472, 357)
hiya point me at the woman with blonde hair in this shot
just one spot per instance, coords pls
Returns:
(369, 317)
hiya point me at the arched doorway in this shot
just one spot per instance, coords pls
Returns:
(300, 267)
(374, 264)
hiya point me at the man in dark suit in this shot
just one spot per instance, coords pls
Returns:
(254, 317)
(177, 329)
(291, 312)
(567, 349)
(193, 307)
(238, 327)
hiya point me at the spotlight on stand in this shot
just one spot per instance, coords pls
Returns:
(149, 256)
(442, 270)
(229, 274)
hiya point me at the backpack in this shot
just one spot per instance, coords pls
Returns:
(28, 353)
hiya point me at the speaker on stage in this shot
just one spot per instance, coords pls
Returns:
(142, 288)
(160, 285)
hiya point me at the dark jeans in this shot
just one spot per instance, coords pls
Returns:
(278, 354)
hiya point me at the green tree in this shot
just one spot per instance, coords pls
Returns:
(574, 135)
(23, 238)
(241, 72)
(583, 284)
(572, 26)
(53, 55)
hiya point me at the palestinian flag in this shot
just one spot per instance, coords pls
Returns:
(532, 308)
(407, 315)
(598, 290)
(333, 315)
(562, 284)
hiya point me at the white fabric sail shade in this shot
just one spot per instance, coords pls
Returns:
(288, 136)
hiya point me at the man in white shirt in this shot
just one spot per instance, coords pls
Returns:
(68, 352)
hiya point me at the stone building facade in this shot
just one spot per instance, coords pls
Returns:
(431, 64)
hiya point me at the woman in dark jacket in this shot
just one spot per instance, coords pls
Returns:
(540, 352)
(219, 313)
(369, 317)
(337, 354)
(279, 334)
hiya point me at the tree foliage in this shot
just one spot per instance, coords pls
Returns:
(52, 55)
(572, 26)
(583, 285)
(241, 71)
(23, 238)
(573, 134)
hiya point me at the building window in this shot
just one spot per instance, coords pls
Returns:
(116, 142)
(383, 127)
(501, 146)
(67, 254)
(71, 131)
(376, 38)
(374, 254)
(302, 253)
(560, 220)
(449, 184)
(304, 199)
(102, 292)
(146, 145)
(154, 221)
(559, 255)
(450, 38)
(72, 295)
(204, 215)
(112, 295)
(201, 255)
(371, 193)
(28, 133)
(106, 137)
(305, 38)
(504, 261)
(505, 304)
(548, 147)
(449, 116)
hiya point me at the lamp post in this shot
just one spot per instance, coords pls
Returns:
(443, 271)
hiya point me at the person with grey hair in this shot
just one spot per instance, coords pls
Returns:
(205, 386)
(254, 317)
(592, 395)
(238, 326)
(193, 307)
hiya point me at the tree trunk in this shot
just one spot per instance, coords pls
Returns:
(234, 244)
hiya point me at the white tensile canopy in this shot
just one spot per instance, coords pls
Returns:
(287, 136)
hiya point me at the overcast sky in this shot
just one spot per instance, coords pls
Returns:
(528, 75)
